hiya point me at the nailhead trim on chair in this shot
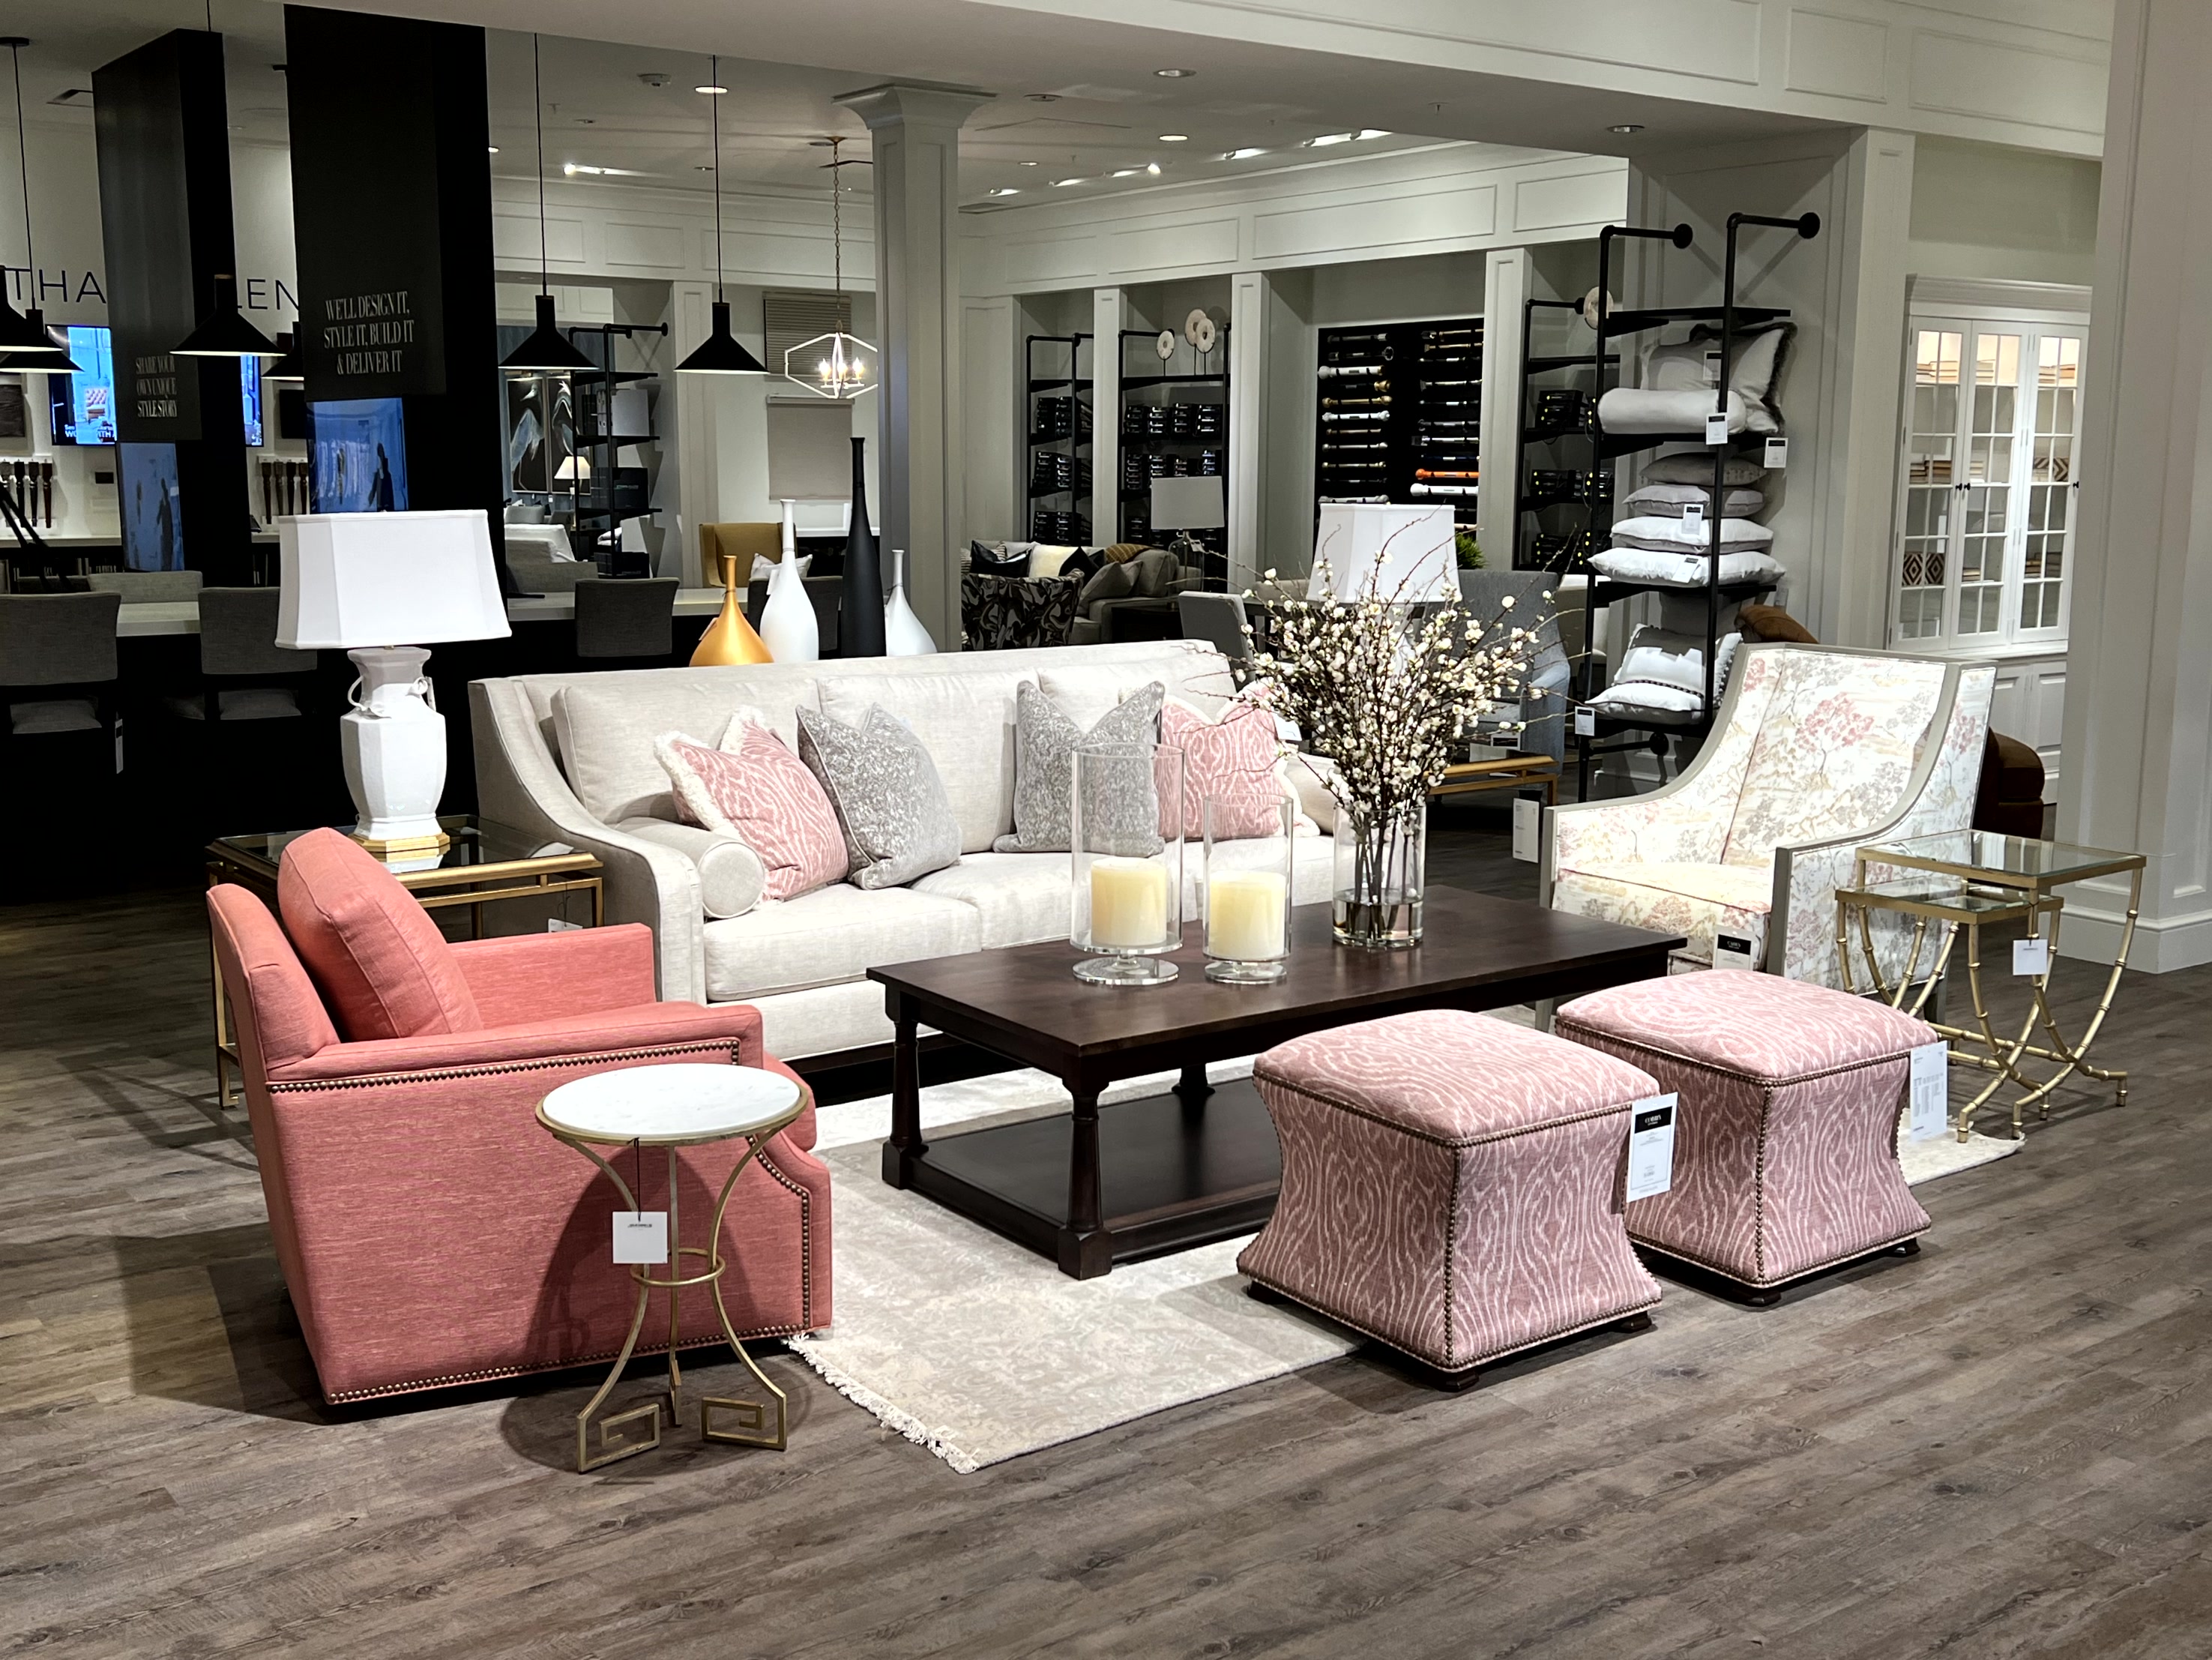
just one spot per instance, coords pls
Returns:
(368, 1080)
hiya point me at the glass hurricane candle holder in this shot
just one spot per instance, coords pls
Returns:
(1245, 901)
(1125, 891)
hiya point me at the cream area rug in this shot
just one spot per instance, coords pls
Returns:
(983, 1351)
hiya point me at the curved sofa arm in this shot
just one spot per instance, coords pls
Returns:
(519, 784)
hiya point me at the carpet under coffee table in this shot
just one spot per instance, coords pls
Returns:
(1091, 1189)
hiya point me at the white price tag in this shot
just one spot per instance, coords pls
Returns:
(1528, 827)
(560, 925)
(1651, 1146)
(1694, 516)
(1585, 723)
(2032, 955)
(1930, 1115)
(1777, 454)
(640, 1235)
(1717, 428)
(1712, 369)
(1733, 951)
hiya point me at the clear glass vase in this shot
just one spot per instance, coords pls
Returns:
(1126, 880)
(1381, 876)
(1245, 899)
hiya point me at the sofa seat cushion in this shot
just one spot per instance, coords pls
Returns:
(835, 933)
(1021, 897)
(1698, 901)
(373, 951)
(964, 718)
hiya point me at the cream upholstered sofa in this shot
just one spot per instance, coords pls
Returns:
(569, 757)
(1817, 751)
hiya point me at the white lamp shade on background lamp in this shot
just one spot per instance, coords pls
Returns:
(1186, 505)
(380, 586)
(1408, 553)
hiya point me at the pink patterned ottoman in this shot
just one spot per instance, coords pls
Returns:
(1451, 1186)
(1785, 1143)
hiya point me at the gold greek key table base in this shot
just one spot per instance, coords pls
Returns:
(1963, 882)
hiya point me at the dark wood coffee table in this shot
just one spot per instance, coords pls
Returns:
(1090, 1189)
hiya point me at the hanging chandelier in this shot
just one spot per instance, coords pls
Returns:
(835, 365)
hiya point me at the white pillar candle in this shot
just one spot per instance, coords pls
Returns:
(1128, 903)
(1244, 916)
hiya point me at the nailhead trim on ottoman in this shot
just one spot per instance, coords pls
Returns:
(1451, 1184)
(1785, 1145)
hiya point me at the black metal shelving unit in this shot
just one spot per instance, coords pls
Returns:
(1599, 592)
(1559, 485)
(617, 493)
(1174, 424)
(1399, 414)
(1058, 409)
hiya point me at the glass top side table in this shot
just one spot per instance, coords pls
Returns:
(1963, 880)
(482, 864)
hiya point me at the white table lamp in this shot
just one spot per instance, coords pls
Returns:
(1410, 553)
(364, 583)
(1188, 504)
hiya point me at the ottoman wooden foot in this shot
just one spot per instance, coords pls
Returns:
(1638, 1321)
(1268, 1294)
(1906, 1248)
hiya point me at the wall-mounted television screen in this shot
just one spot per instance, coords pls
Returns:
(357, 456)
(83, 404)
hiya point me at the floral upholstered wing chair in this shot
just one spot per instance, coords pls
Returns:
(1817, 751)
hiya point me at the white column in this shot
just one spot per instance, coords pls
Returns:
(1504, 317)
(1248, 294)
(1107, 311)
(916, 135)
(2138, 736)
(687, 434)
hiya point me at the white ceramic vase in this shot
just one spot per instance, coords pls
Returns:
(787, 626)
(903, 634)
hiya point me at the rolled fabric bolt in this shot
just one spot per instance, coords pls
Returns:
(1244, 916)
(1129, 905)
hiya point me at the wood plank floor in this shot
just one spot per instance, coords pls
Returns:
(2003, 1448)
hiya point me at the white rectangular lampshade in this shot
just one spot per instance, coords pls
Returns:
(388, 579)
(1188, 504)
(1408, 551)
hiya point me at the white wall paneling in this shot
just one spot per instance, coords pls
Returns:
(1249, 450)
(1505, 291)
(994, 380)
(2030, 704)
(1109, 312)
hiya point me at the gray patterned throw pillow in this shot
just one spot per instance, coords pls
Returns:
(890, 803)
(1045, 741)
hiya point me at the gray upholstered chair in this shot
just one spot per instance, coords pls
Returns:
(630, 618)
(140, 587)
(1543, 703)
(536, 571)
(61, 645)
(1218, 619)
(245, 675)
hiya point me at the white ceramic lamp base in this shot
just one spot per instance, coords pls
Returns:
(393, 742)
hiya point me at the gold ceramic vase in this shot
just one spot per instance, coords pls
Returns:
(729, 638)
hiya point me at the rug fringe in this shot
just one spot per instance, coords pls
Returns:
(883, 1411)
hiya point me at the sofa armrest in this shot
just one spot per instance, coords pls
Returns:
(731, 878)
(519, 784)
(532, 976)
(1309, 776)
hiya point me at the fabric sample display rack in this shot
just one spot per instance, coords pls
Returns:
(1399, 412)
(1059, 417)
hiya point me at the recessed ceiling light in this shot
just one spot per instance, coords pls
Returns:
(1175, 75)
(1044, 98)
(1329, 138)
(1060, 182)
(1372, 132)
(1002, 190)
(703, 166)
(580, 167)
(582, 121)
(1627, 126)
(1244, 155)
(711, 91)
(1031, 164)
(493, 148)
(1175, 139)
(1152, 168)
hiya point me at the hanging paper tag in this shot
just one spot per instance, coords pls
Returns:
(1712, 369)
(1930, 1114)
(1777, 454)
(1651, 1146)
(1717, 428)
(1694, 516)
(1528, 826)
(560, 925)
(640, 1235)
(2032, 955)
(1732, 951)
(1585, 723)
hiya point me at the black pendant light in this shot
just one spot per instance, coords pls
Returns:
(547, 351)
(224, 332)
(719, 353)
(291, 367)
(25, 343)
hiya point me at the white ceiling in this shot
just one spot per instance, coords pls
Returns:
(1072, 97)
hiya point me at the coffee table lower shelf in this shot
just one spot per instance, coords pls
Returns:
(1174, 1173)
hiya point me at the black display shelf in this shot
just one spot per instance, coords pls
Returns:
(1062, 374)
(1150, 382)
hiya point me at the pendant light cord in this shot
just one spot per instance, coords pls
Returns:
(23, 161)
(714, 100)
(836, 223)
(538, 116)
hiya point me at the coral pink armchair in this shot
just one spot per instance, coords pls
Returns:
(430, 1232)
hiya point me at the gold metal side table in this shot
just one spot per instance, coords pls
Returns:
(1962, 881)
(482, 864)
(679, 1105)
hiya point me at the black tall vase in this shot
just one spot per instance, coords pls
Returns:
(860, 615)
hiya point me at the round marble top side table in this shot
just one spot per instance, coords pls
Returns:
(675, 1106)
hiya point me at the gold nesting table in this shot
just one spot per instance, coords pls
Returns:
(1960, 881)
